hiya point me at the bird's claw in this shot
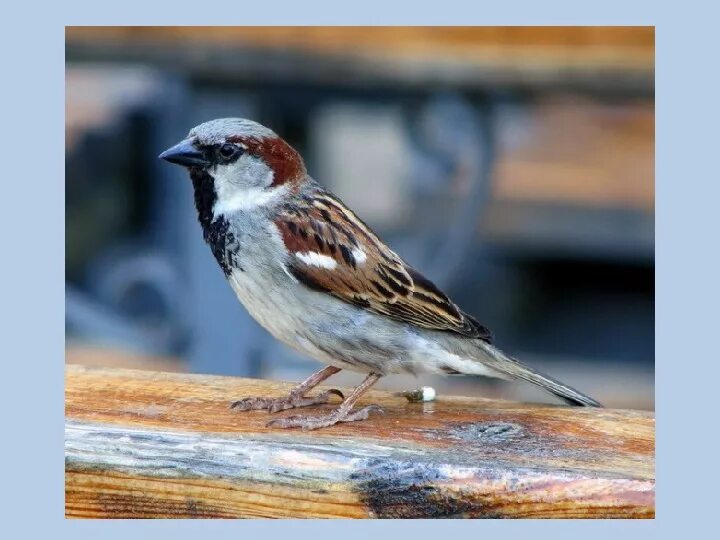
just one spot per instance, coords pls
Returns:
(273, 405)
(317, 422)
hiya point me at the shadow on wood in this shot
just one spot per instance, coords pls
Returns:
(144, 444)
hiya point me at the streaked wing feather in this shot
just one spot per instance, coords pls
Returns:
(333, 251)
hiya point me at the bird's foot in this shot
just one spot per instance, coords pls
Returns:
(317, 422)
(292, 401)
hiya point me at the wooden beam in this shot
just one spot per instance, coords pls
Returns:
(149, 444)
(612, 58)
(630, 47)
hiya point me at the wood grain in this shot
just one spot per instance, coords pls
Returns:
(148, 444)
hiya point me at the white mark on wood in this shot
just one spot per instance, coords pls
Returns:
(428, 393)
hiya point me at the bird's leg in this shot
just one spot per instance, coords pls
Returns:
(296, 398)
(344, 413)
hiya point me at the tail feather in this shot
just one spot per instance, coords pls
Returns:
(514, 369)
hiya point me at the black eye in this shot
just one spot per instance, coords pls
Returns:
(228, 151)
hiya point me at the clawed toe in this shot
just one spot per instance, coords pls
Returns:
(250, 404)
(317, 422)
(334, 392)
(297, 398)
(362, 414)
(274, 405)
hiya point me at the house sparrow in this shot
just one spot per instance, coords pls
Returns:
(319, 280)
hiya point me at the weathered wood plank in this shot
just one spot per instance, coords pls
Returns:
(144, 444)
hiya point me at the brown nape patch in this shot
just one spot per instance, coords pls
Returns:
(283, 159)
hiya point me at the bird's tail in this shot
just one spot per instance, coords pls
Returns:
(510, 367)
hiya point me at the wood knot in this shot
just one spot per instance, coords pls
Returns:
(489, 432)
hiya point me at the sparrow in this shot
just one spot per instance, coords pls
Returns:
(321, 281)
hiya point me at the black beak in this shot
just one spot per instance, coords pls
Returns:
(184, 153)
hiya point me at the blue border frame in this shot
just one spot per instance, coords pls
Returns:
(687, 189)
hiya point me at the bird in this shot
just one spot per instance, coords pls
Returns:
(314, 275)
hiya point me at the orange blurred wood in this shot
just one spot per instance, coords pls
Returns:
(461, 54)
(151, 444)
(112, 357)
(579, 151)
(625, 45)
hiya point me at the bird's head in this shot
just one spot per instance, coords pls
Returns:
(241, 160)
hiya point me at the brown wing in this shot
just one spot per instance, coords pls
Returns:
(333, 251)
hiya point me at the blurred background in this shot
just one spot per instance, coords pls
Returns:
(514, 166)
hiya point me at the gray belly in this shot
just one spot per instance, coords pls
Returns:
(316, 324)
(320, 325)
(341, 334)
